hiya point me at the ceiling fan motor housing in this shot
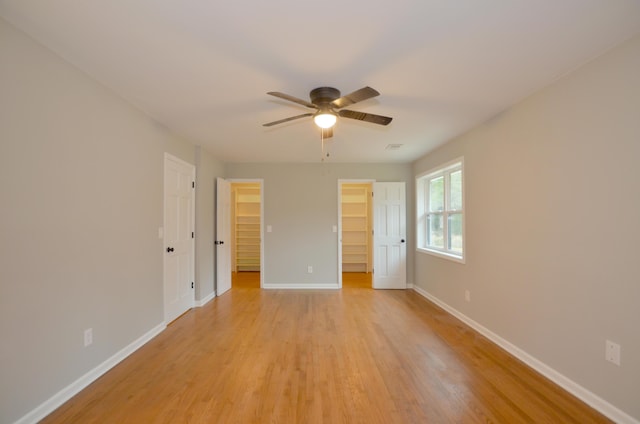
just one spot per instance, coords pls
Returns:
(327, 101)
(324, 95)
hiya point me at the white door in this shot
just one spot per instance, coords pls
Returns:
(223, 236)
(389, 236)
(179, 248)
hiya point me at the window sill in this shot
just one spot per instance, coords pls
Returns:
(443, 255)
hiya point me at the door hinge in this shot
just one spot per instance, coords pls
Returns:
(193, 184)
(192, 285)
(192, 235)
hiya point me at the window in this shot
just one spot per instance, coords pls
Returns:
(440, 211)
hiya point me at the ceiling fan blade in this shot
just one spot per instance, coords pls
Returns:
(368, 117)
(327, 133)
(292, 99)
(355, 97)
(281, 121)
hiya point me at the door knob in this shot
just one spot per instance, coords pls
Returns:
(169, 249)
(402, 241)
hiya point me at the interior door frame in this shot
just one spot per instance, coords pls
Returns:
(192, 245)
(342, 181)
(222, 221)
(379, 281)
(260, 182)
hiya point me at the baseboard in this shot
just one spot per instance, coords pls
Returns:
(74, 388)
(569, 385)
(299, 286)
(201, 303)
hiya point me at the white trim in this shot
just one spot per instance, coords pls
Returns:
(74, 388)
(170, 157)
(422, 209)
(442, 168)
(443, 255)
(201, 303)
(566, 383)
(299, 286)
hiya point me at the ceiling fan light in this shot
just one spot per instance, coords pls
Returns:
(325, 119)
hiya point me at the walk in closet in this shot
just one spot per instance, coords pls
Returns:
(356, 227)
(246, 226)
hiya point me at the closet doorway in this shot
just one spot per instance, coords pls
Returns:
(356, 235)
(246, 234)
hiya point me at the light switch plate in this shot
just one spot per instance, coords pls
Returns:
(612, 352)
(88, 337)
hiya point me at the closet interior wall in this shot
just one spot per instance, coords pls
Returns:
(356, 227)
(246, 226)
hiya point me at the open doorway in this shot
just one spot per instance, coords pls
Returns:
(246, 234)
(356, 247)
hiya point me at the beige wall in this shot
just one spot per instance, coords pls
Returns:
(301, 205)
(552, 206)
(552, 209)
(81, 176)
(81, 182)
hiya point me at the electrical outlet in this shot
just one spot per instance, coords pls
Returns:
(467, 295)
(612, 352)
(88, 336)
(309, 269)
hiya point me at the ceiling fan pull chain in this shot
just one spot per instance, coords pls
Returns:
(324, 155)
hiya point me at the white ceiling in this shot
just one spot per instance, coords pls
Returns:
(202, 68)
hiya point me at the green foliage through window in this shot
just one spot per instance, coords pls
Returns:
(441, 210)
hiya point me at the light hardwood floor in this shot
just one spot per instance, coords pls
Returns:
(245, 280)
(356, 355)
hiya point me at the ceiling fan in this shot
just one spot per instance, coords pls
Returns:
(328, 105)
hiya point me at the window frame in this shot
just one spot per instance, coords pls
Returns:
(423, 212)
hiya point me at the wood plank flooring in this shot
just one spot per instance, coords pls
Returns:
(245, 280)
(356, 280)
(355, 355)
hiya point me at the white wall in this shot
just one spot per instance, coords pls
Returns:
(301, 205)
(552, 214)
(81, 176)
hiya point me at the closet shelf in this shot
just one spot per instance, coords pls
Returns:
(355, 227)
(247, 228)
